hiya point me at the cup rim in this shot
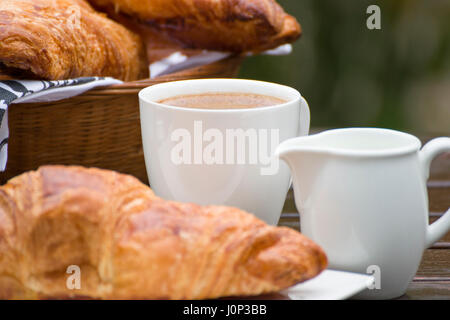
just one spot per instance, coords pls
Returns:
(160, 86)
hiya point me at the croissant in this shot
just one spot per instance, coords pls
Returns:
(225, 25)
(128, 243)
(62, 39)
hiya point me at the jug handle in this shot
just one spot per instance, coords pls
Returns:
(430, 151)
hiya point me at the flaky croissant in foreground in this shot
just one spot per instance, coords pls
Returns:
(225, 25)
(128, 243)
(62, 39)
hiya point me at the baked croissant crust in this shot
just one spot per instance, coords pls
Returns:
(128, 243)
(62, 39)
(225, 25)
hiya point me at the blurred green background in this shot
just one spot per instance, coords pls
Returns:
(397, 77)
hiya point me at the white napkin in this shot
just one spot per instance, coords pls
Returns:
(177, 61)
(27, 91)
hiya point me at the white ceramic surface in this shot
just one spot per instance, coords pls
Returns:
(330, 285)
(239, 185)
(362, 196)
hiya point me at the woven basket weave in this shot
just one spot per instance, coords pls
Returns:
(99, 128)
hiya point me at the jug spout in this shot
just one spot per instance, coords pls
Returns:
(290, 149)
(305, 158)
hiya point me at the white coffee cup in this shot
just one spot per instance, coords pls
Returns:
(234, 178)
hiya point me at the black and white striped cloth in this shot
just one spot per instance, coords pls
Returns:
(27, 91)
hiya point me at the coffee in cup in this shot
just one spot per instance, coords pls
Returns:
(223, 100)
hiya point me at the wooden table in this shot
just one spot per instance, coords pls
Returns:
(432, 280)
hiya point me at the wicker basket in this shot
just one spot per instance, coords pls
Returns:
(97, 129)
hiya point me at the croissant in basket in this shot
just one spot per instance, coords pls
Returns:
(62, 39)
(222, 25)
(128, 243)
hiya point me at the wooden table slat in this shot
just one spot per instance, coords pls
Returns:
(422, 290)
(441, 245)
(435, 263)
(439, 198)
